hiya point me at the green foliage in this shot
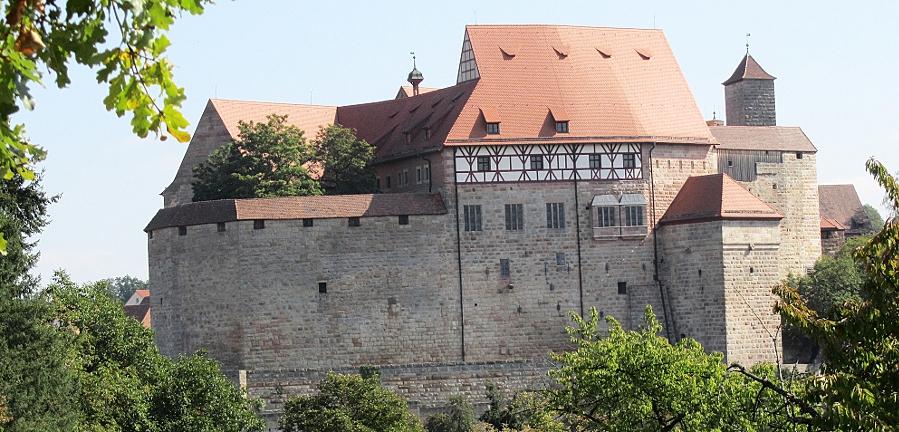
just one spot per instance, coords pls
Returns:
(123, 40)
(123, 287)
(858, 386)
(349, 403)
(267, 160)
(23, 213)
(833, 281)
(875, 217)
(638, 381)
(346, 160)
(125, 384)
(525, 412)
(458, 417)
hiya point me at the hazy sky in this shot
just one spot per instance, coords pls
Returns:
(836, 64)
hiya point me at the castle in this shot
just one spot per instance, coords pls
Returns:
(569, 168)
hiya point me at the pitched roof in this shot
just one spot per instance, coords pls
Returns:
(841, 203)
(777, 138)
(140, 312)
(748, 69)
(306, 207)
(716, 197)
(831, 224)
(142, 293)
(309, 118)
(406, 91)
(613, 85)
(426, 119)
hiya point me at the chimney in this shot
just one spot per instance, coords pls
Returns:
(415, 77)
(749, 95)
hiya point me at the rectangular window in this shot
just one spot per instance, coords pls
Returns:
(622, 287)
(182, 230)
(353, 222)
(537, 162)
(322, 287)
(220, 227)
(630, 160)
(561, 259)
(633, 215)
(404, 220)
(472, 217)
(505, 269)
(388, 182)
(492, 128)
(308, 222)
(259, 224)
(562, 126)
(595, 161)
(555, 215)
(378, 182)
(514, 217)
(483, 163)
(405, 177)
(418, 175)
(427, 173)
(605, 216)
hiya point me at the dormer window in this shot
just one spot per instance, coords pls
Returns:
(562, 126)
(493, 128)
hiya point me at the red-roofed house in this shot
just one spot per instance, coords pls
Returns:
(567, 168)
(138, 307)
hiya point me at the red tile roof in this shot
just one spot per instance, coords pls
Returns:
(309, 118)
(306, 207)
(716, 197)
(426, 119)
(598, 76)
(140, 312)
(831, 224)
(841, 204)
(748, 69)
(406, 91)
(142, 293)
(777, 138)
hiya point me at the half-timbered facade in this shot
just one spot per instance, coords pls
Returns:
(568, 168)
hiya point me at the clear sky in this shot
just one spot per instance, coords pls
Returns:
(836, 64)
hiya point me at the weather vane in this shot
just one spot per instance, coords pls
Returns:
(747, 43)
(413, 58)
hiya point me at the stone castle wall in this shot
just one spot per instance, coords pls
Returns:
(750, 102)
(791, 187)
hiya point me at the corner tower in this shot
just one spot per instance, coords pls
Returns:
(749, 95)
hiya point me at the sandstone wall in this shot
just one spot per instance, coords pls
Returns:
(750, 103)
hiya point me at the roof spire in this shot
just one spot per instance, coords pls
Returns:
(415, 77)
(747, 43)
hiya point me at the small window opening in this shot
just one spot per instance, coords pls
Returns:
(505, 269)
(630, 160)
(595, 161)
(322, 287)
(622, 287)
(259, 224)
(562, 126)
(798, 155)
(308, 222)
(220, 227)
(182, 230)
(492, 128)
(388, 182)
(751, 270)
(537, 162)
(561, 259)
(483, 163)
(730, 163)
(353, 222)
(404, 220)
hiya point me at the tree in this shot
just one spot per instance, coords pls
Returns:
(874, 217)
(349, 403)
(346, 161)
(125, 384)
(834, 280)
(458, 417)
(525, 412)
(638, 381)
(123, 287)
(23, 213)
(267, 160)
(123, 40)
(858, 385)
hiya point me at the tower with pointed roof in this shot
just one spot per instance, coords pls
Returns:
(749, 95)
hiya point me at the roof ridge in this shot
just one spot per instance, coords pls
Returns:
(567, 26)
(213, 100)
